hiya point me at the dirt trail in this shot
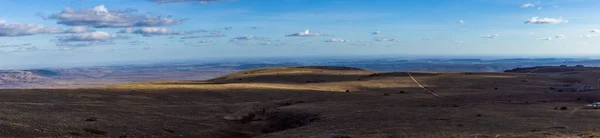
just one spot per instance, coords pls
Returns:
(427, 90)
(572, 113)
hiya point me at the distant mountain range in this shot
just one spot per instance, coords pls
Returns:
(190, 70)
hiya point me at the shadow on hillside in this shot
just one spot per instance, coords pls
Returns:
(306, 78)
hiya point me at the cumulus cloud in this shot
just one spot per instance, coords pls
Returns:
(490, 36)
(88, 39)
(545, 38)
(595, 31)
(23, 29)
(153, 31)
(100, 17)
(304, 33)
(91, 37)
(537, 20)
(377, 32)
(192, 1)
(460, 22)
(78, 30)
(527, 5)
(336, 40)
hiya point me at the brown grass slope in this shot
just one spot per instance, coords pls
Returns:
(310, 102)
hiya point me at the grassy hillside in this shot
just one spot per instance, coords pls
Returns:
(312, 102)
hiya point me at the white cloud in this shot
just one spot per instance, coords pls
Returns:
(377, 32)
(537, 20)
(490, 36)
(560, 36)
(88, 39)
(78, 30)
(153, 31)
(336, 40)
(460, 22)
(100, 17)
(545, 38)
(304, 33)
(527, 5)
(23, 29)
(595, 31)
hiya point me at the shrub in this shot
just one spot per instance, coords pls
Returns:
(268, 117)
(564, 108)
(287, 119)
(94, 131)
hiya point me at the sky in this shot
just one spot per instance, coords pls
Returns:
(87, 32)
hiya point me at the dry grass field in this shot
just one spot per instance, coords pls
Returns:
(320, 102)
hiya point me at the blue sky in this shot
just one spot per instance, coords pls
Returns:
(47, 33)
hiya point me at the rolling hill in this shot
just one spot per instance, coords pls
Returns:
(313, 101)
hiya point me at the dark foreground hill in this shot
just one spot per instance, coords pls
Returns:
(318, 102)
